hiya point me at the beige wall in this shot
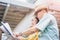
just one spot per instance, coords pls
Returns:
(25, 23)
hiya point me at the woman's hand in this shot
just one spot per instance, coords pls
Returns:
(15, 34)
(20, 38)
(21, 34)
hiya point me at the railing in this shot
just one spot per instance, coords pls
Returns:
(0, 33)
(2, 11)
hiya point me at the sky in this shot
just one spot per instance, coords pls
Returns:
(40, 0)
(26, 1)
(21, 0)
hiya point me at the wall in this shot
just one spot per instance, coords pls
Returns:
(25, 23)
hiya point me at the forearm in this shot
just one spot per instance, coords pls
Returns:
(30, 31)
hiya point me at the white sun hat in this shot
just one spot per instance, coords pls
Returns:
(39, 2)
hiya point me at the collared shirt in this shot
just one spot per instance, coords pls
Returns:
(48, 28)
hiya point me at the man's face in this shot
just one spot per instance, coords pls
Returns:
(39, 14)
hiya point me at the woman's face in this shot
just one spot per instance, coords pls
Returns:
(34, 21)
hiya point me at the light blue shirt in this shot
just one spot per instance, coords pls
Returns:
(48, 28)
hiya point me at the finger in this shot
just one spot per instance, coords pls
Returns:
(20, 38)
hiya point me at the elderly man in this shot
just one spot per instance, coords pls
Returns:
(47, 26)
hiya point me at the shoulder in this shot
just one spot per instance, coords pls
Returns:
(50, 16)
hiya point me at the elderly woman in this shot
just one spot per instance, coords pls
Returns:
(47, 26)
(32, 36)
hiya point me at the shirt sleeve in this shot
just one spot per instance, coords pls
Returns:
(43, 23)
